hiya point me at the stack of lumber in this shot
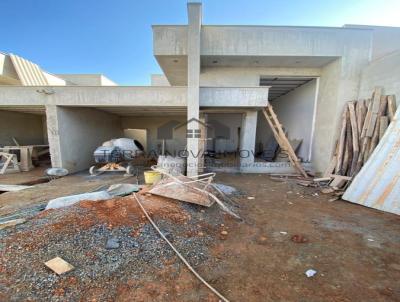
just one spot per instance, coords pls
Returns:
(363, 125)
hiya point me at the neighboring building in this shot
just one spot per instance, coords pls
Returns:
(221, 75)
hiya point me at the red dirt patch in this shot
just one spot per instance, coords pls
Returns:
(126, 211)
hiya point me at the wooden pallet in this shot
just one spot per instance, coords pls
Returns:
(10, 163)
(282, 140)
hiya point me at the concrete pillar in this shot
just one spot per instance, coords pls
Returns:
(53, 136)
(248, 139)
(202, 142)
(193, 126)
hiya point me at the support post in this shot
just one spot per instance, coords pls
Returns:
(248, 139)
(53, 135)
(193, 108)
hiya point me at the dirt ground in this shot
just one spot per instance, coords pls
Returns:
(286, 230)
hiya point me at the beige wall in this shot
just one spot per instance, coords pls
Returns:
(26, 128)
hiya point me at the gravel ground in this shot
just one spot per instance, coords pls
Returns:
(79, 235)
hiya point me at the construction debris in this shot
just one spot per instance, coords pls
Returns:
(310, 273)
(8, 163)
(112, 243)
(122, 189)
(67, 201)
(59, 265)
(13, 188)
(10, 223)
(198, 190)
(364, 123)
(377, 185)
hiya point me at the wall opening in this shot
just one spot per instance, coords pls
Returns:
(23, 132)
(294, 102)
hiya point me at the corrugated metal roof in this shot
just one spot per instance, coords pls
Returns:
(377, 185)
(29, 73)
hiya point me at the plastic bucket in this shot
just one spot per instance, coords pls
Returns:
(151, 177)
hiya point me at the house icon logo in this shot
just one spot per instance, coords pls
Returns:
(193, 133)
(214, 129)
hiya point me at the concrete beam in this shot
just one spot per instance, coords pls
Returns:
(234, 96)
(94, 96)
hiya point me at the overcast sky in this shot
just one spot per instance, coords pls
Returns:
(114, 37)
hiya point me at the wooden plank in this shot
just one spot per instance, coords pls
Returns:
(355, 138)
(367, 119)
(366, 153)
(342, 142)
(376, 102)
(10, 164)
(375, 136)
(59, 265)
(13, 188)
(322, 179)
(348, 158)
(337, 183)
(364, 147)
(341, 177)
(170, 188)
(383, 124)
(391, 107)
(331, 167)
(12, 222)
(359, 114)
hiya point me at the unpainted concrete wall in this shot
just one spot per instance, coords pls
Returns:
(231, 120)
(80, 131)
(295, 112)
(247, 76)
(151, 124)
(383, 72)
(26, 128)
(282, 40)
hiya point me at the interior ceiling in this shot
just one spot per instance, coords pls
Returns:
(144, 111)
(282, 85)
(40, 110)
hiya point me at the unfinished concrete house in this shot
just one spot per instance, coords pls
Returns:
(217, 79)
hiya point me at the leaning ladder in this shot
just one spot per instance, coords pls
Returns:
(281, 138)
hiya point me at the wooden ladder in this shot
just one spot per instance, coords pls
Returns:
(281, 138)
